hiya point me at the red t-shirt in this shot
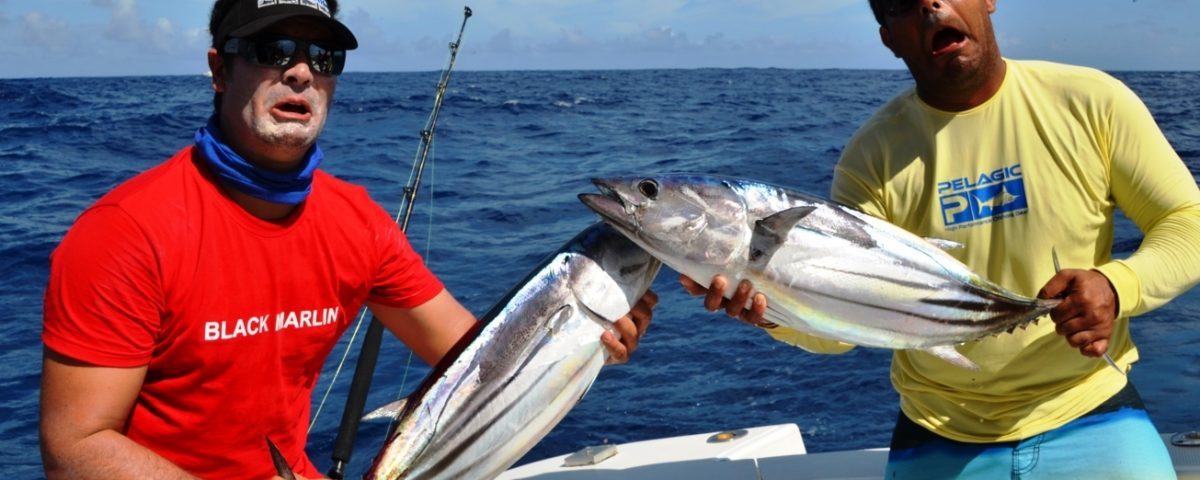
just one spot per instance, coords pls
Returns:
(233, 316)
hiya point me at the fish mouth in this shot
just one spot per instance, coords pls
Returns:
(611, 206)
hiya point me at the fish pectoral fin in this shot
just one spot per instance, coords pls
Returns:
(945, 245)
(950, 354)
(772, 231)
(603, 297)
(388, 411)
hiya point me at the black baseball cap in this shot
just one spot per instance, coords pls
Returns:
(248, 17)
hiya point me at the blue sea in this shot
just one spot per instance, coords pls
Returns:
(512, 150)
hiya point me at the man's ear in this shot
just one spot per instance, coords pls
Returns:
(216, 66)
(885, 36)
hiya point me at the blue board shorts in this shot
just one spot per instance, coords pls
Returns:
(1114, 441)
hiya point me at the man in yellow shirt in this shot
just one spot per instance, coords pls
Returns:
(1013, 159)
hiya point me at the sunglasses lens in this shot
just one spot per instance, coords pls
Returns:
(329, 62)
(273, 53)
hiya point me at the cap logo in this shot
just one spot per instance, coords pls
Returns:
(318, 5)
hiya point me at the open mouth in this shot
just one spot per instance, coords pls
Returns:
(607, 190)
(293, 109)
(947, 40)
(609, 204)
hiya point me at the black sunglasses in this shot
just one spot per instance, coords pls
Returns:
(278, 52)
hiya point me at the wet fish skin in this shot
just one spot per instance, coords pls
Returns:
(531, 359)
(827, 269)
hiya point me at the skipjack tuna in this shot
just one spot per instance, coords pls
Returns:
(532, 358)
(826, 269)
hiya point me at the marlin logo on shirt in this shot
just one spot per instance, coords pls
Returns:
(259, 324)
(988, 197)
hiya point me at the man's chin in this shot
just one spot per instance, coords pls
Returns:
(289, 134)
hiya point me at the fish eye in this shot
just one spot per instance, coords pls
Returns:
(649, 188)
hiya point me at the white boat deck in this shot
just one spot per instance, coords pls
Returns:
(762, 453)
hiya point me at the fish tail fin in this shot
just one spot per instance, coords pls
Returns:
(281, 465)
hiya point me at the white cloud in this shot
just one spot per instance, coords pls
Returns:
(574, 40)
(124, 25)
(661, 39)
(46, 32)
(369, 33)
(163, 36)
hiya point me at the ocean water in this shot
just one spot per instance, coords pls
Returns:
(512, 151)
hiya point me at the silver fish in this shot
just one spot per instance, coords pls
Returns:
(531, 359)
(826, 269)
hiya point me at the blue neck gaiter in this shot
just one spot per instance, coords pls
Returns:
(289, 188)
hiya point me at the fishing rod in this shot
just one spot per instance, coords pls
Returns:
(364, 369)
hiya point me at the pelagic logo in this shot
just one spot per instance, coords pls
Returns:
(318, 5)
(988, 197)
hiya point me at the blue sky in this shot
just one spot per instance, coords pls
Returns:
(40, 38)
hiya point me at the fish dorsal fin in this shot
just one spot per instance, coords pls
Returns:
(770, 232)
(945, 245)
(388, 411)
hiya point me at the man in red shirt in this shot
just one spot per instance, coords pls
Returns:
(189, 311)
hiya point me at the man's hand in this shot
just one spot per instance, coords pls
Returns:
(741, 306)
(1088, 310)
(631, 327)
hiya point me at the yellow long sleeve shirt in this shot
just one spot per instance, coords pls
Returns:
(1040, 165)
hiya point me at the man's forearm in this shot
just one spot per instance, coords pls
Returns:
(106, 455)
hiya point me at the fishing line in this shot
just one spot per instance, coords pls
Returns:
(362, 313)
(369, 351)
(428, 250)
